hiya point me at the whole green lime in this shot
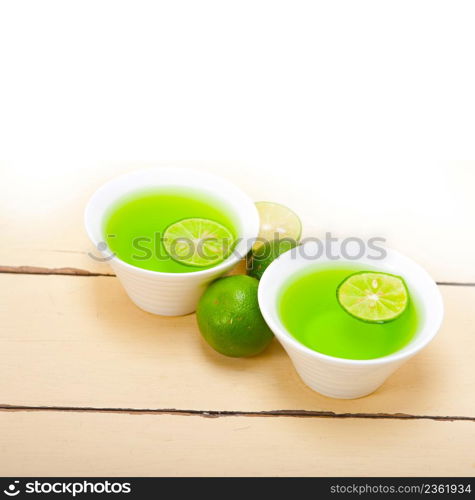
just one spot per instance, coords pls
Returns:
(229, 317)
(260, 259)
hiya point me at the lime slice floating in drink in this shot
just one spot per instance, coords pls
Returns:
(276, 222)
(198, 242)
(373, 297)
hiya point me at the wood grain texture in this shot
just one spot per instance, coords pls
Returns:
(80, 342)
(42, 219)
(70, 338)
(84, 444)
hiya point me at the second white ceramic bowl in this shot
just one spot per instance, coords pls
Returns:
(171, 294)
(346, 378)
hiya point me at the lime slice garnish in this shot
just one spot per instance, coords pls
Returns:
(373, 297)
(277, 222)
(198, 242)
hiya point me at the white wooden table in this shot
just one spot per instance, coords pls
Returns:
(91, 385)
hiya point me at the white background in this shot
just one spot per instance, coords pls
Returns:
(356, 113)
(264, 80)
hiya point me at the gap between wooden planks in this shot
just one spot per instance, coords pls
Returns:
(54, 388)
(230, 413)
(73, 271)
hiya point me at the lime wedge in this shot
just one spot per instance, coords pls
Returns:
(373, 297)
(198, 242)
(276, 222)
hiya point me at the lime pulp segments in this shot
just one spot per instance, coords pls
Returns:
(277, 221)
(373, 297)
(198, 242)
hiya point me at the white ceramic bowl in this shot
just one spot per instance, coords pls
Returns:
(171, 294)
(345, 378)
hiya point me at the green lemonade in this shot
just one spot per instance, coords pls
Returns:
(135, 224)
(309, 310)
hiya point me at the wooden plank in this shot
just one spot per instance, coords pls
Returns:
(79, 341)
(42, 207)
(91, 444)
